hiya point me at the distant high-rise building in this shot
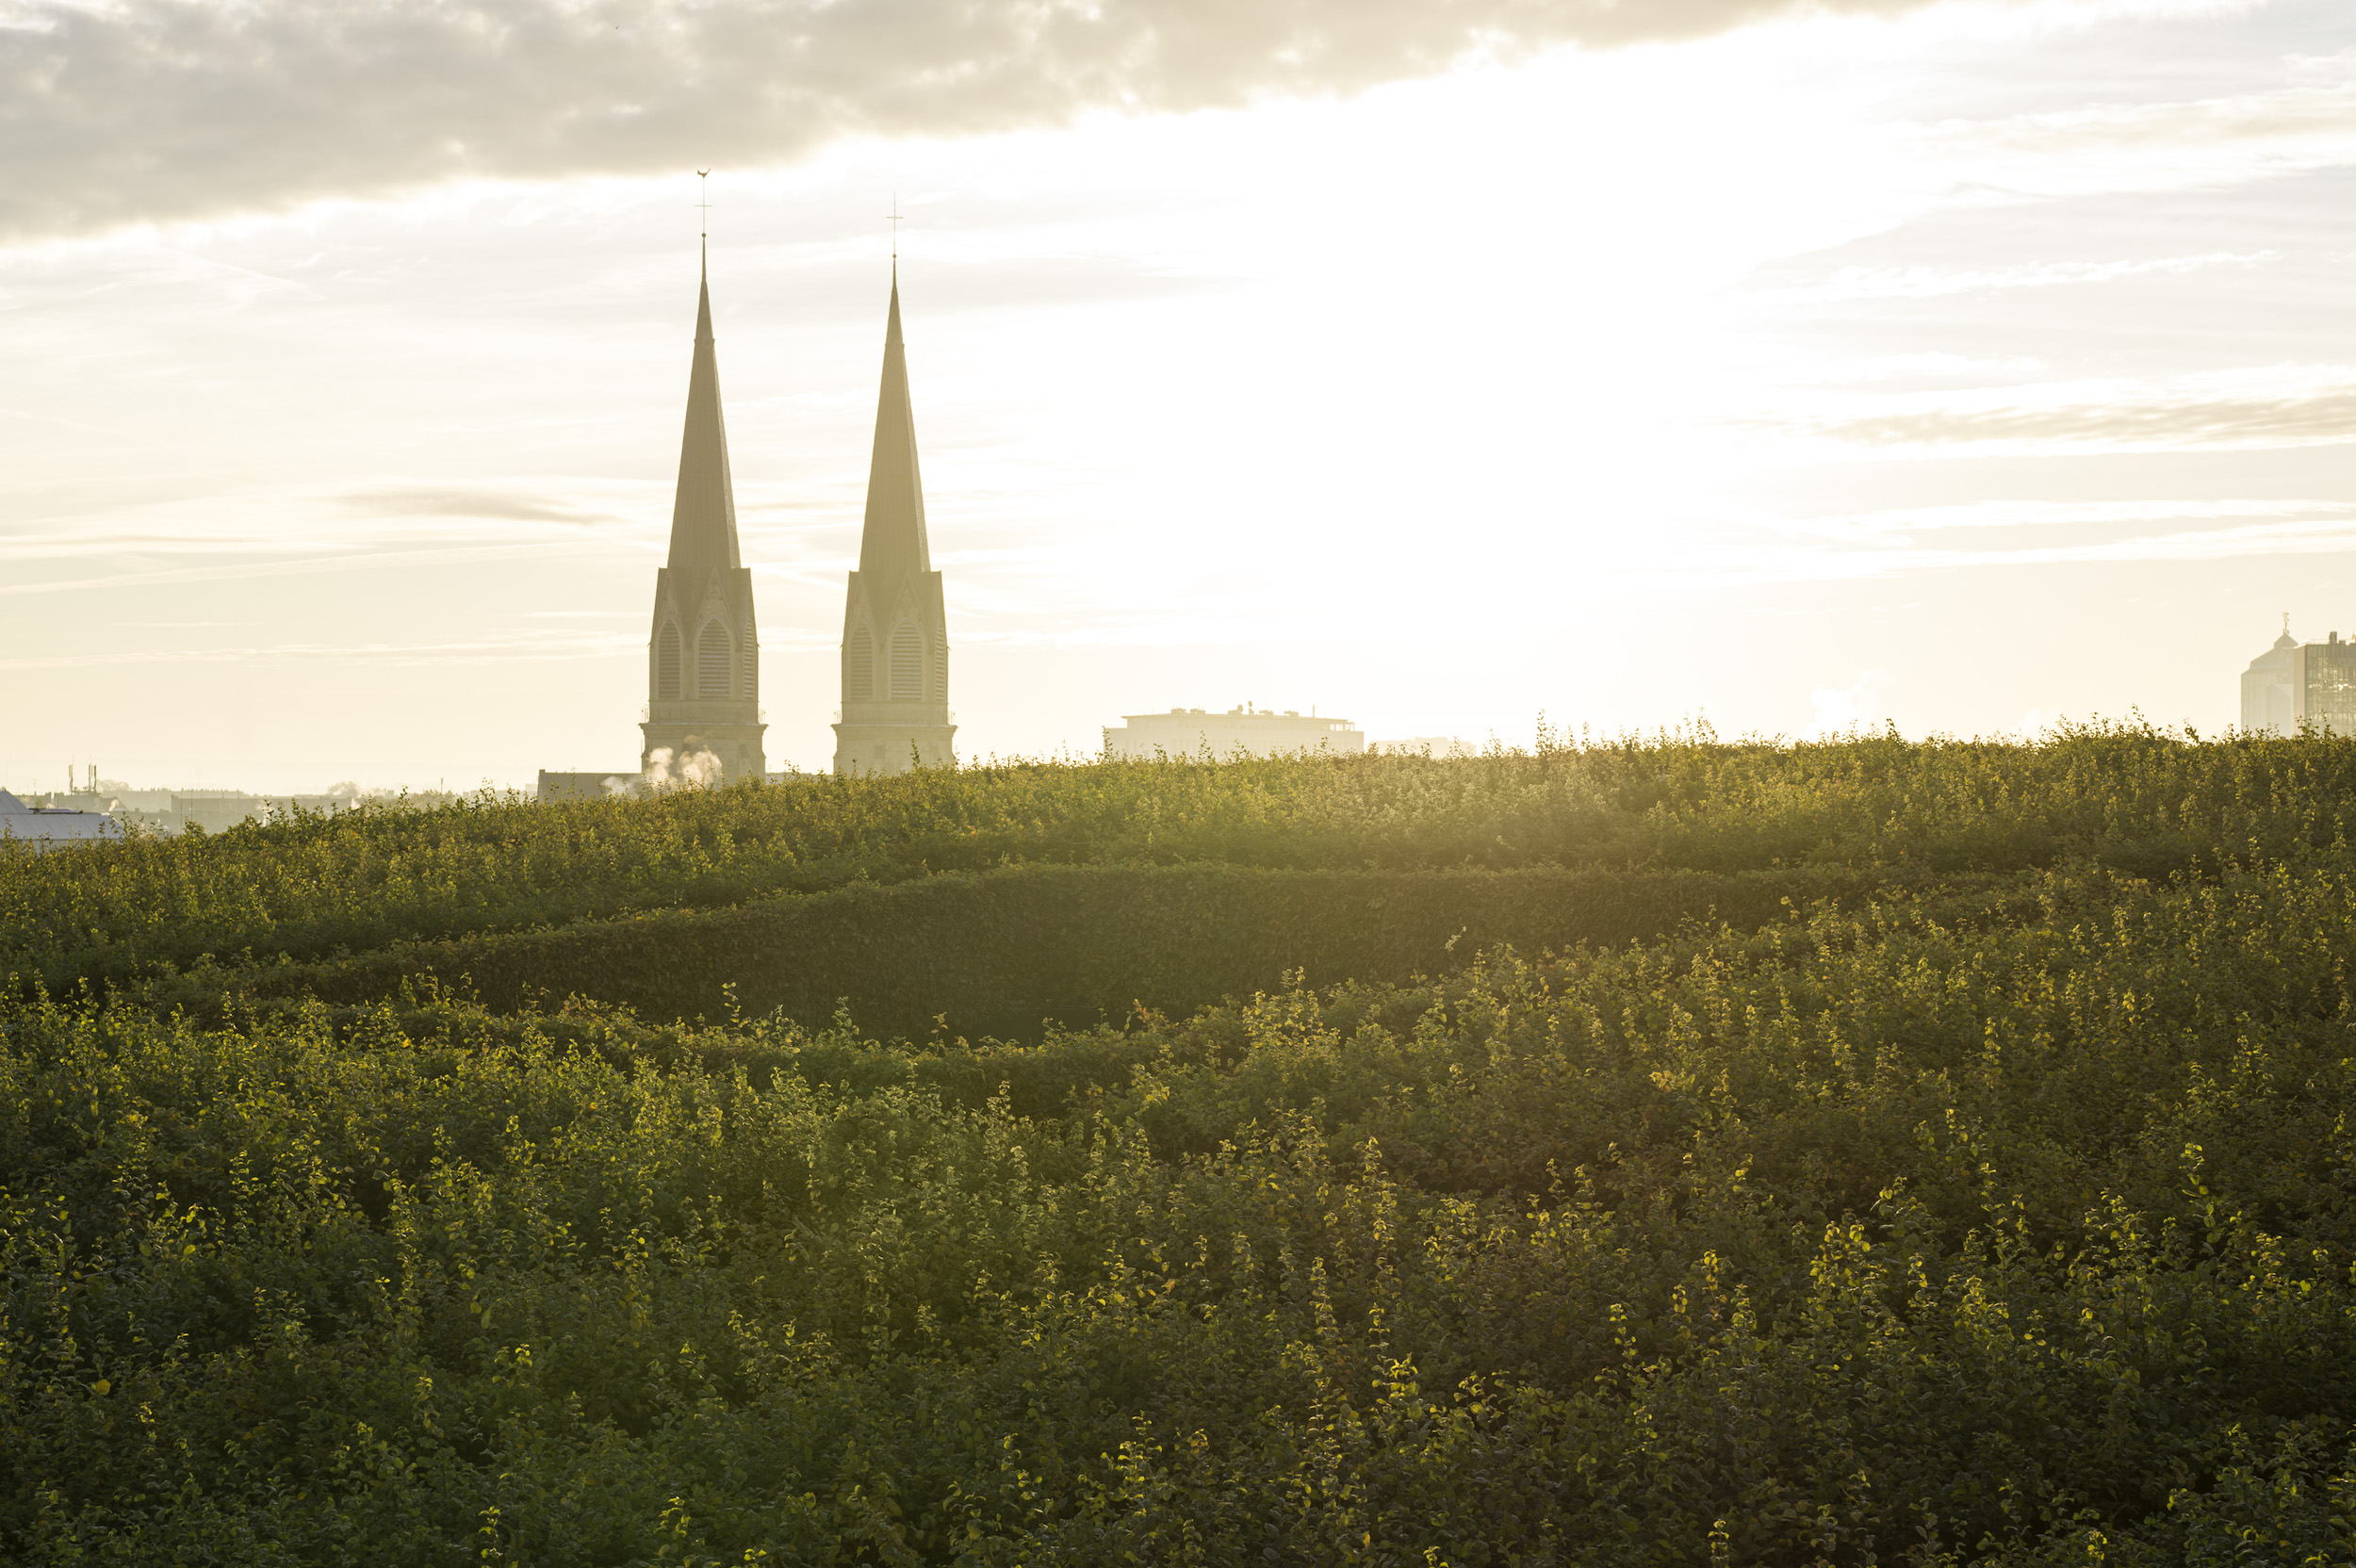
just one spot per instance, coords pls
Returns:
(896, 636)
(2295, 685)
(2266, 688)
(703, 719)
(2323, 686)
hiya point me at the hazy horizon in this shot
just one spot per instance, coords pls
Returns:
(1960, 365)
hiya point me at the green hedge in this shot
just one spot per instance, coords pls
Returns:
(1861, 1238)
(2134, 799)
(997, 952)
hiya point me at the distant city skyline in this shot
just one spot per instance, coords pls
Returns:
(1884, 362)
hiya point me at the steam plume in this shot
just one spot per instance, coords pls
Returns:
(665, 771)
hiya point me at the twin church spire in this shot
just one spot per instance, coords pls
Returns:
(895, 638)
(704, 722)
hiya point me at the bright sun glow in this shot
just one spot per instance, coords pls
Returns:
(1823, 373)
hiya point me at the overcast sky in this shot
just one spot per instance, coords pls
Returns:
(1962, 366)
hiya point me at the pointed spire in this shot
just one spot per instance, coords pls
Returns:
(892, 544)
(703, 516)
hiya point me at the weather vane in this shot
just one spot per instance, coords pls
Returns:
(704, 201)
(895, 216)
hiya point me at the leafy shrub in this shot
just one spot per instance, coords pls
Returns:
(997, 952)
(2139, 800)
(1950, 1215)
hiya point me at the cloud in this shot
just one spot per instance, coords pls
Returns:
(374, 561)
(2326, 537)
(2171, 146)
(2286, 421)
(2276, 406)
(2320, 535)
(465, 503)
(541, 646)
(1761, 549)
(2047, 514)
(145, 110)
(1924, 283)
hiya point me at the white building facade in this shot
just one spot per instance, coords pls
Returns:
(48, 827)
(2267, 705)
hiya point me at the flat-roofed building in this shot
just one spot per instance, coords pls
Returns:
(217, 810)
(214, 811)
(1427, 746)
(587, 786)
(1192, 733)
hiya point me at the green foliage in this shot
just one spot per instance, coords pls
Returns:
(1978, 1204)
(997, 952)
(2133, 798)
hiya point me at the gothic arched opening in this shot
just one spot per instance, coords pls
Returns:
(666, 664)
(714, 653)
(859, 666)
(907, 663)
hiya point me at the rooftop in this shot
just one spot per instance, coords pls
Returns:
(1246, 715)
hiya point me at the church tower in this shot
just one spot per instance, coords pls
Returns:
(703, 657)
(895, 641)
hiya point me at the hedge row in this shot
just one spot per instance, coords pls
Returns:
(996, 953)
(2140, 801)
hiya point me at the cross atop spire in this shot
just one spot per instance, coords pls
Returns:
(703, 205)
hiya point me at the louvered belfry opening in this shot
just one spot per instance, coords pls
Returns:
(907, 663)
(859, 666)
(940, 683)
(714, 652)
(666, 666)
